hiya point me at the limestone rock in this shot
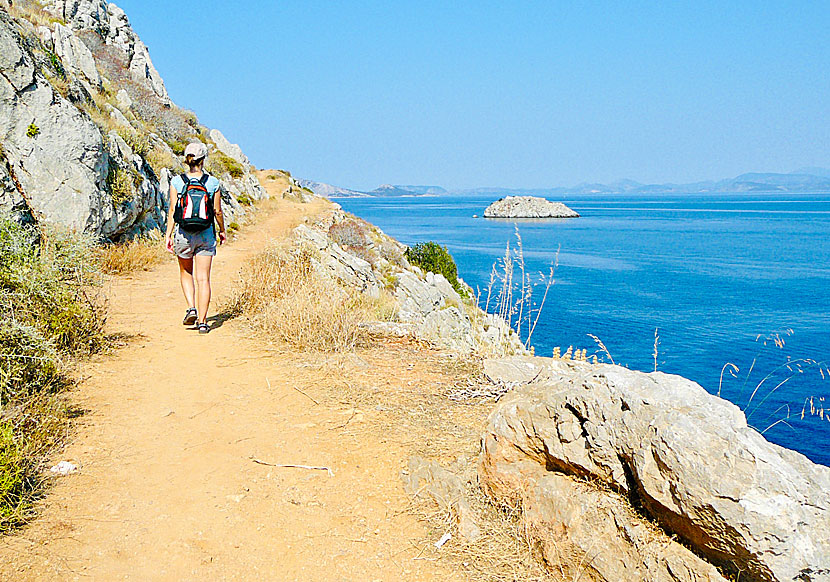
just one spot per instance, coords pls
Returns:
(528, 207)
(81, 14)
(229, 149)
(448, 328)
(335, 262)
(429, 479)
(687, 458)
(123, 100)
(56, 151)
(586, 533)
(513, 371)
(417, 298)
(75, 55)
(142, 70)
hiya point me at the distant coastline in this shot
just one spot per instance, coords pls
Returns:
(806, 180)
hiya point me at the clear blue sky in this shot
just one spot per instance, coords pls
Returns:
(523, 94)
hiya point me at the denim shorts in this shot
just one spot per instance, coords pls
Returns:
(194, 244)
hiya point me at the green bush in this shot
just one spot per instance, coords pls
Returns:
(32, 130)
(432, 257)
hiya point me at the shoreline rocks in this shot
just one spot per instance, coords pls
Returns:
(660, 443)
(528, 207)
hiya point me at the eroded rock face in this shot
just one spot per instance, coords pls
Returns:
(686, 457)
(528, 207)
(62, 166)
(56, 152)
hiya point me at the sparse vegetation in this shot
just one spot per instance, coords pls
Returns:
(219, 163)
(288, 302)
(138, 142)
(121, 184)
(160, 158)
(50, 312)
(512, 296)
(32, 130)
(244, 199)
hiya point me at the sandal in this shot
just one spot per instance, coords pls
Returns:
(203, 327)
(190, 316)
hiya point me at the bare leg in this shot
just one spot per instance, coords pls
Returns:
(186, 276)
(201, 269)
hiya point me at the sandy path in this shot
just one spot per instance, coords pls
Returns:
(167, 489)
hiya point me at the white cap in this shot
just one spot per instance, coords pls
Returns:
(197, 148)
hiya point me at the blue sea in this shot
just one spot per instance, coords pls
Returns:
(741, 279)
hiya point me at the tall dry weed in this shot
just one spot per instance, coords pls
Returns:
(511, 298)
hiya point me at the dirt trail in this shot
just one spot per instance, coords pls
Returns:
(167, 488)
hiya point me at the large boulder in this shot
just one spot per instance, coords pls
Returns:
(685, 458)
(229, 149)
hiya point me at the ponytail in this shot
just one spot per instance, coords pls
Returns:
(193, 162)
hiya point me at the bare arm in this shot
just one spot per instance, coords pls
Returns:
(217, 211)
(168, 238)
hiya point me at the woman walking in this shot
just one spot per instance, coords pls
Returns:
(191, 234)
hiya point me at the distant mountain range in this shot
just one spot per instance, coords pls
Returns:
(811, 179)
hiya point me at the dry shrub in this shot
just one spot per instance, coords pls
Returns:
(136, 255)
(349, 233)
(50, 313)
(287, 301)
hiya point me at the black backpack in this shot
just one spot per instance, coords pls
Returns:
(194, 206)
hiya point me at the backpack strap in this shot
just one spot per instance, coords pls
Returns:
(204, 178)
(185, 180)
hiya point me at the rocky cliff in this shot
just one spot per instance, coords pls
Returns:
(89, 137)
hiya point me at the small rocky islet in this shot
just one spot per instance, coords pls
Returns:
(528, 207)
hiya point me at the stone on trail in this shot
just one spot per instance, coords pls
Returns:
(63, 468)
(446, 489)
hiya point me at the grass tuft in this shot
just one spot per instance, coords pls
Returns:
(140, 254)
(286, 300)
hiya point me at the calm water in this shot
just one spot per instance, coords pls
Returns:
(711, 272)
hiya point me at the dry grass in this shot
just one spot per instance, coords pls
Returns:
(287, 301)
(139, 254)
(505, 552)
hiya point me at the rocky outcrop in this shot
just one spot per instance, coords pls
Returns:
(73, 152)
(528, 207)
(427, 305)
(685, 459)
(56, 153)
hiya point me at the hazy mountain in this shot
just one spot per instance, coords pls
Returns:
(329, 191)
(815, 171)
(803, 180)
(424, 190)
(390, 190)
